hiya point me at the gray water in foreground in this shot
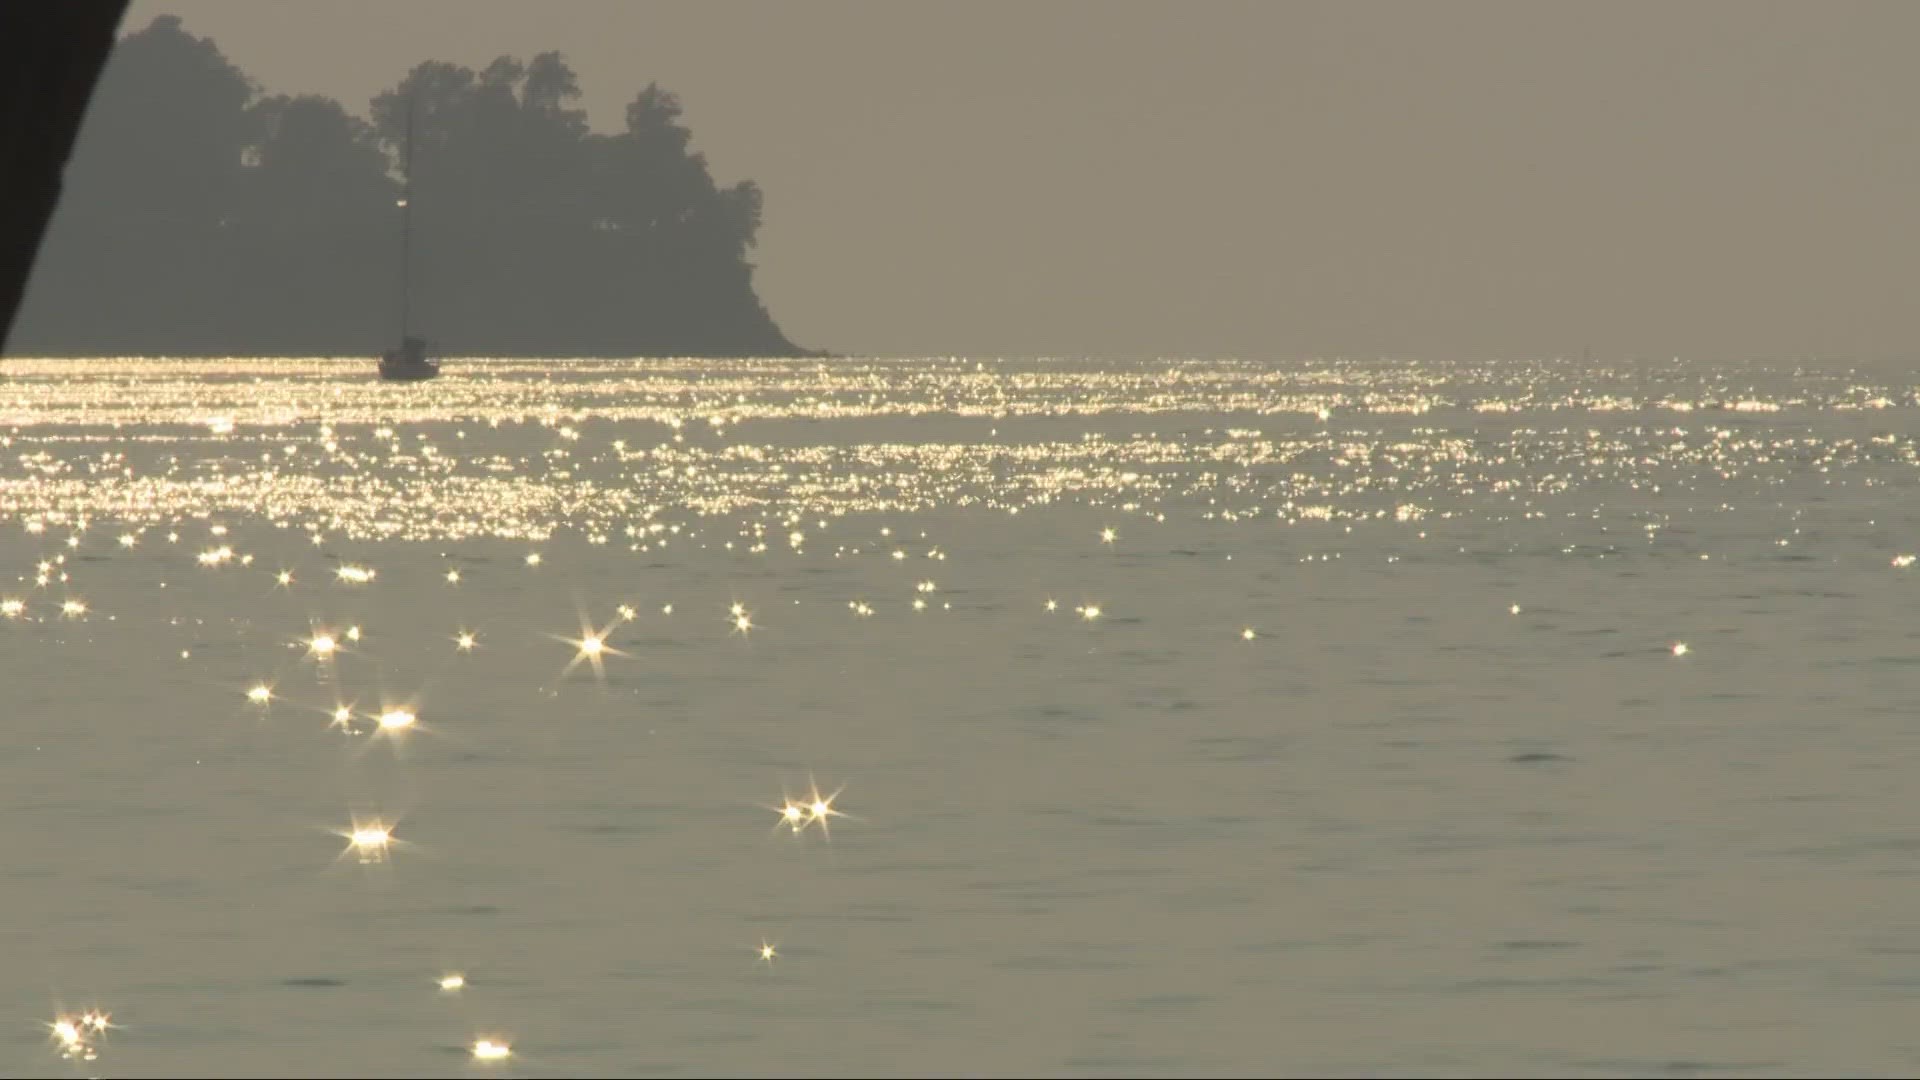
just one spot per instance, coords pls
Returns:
(1361, 744)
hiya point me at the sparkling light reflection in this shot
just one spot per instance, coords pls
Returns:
(1449, 466)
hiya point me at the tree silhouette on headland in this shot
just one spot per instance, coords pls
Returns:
(201, 217)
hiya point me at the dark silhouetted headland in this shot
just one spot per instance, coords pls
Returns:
(202, 217)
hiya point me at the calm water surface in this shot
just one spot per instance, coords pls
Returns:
(1185, 718)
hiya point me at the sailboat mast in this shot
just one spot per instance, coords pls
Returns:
(406, 228)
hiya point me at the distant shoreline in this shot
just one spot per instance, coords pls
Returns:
(370, 355)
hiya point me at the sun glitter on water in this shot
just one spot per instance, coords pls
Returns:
(368, 841)
(590, 648)
(792, 814)
(71, 1036)
(812, 809)
(77, 1035)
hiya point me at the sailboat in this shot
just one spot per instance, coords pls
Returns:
(409, 362)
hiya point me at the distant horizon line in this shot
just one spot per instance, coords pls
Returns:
(822, 354)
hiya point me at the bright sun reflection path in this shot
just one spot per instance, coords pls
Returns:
(359, 465)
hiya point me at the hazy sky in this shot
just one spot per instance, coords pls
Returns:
(1258, 179)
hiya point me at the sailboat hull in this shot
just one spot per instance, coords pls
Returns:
(408, 363)
(407, 374)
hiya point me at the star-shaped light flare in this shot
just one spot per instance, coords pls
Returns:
(590, 647)
(369, 839)
(740, 618)
(322, 645)
(813, 808)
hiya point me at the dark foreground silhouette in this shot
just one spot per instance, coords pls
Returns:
(50, 58)
(201, 217)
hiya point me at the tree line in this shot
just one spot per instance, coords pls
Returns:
(201, 216)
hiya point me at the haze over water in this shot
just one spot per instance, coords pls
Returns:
(1185, 717)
